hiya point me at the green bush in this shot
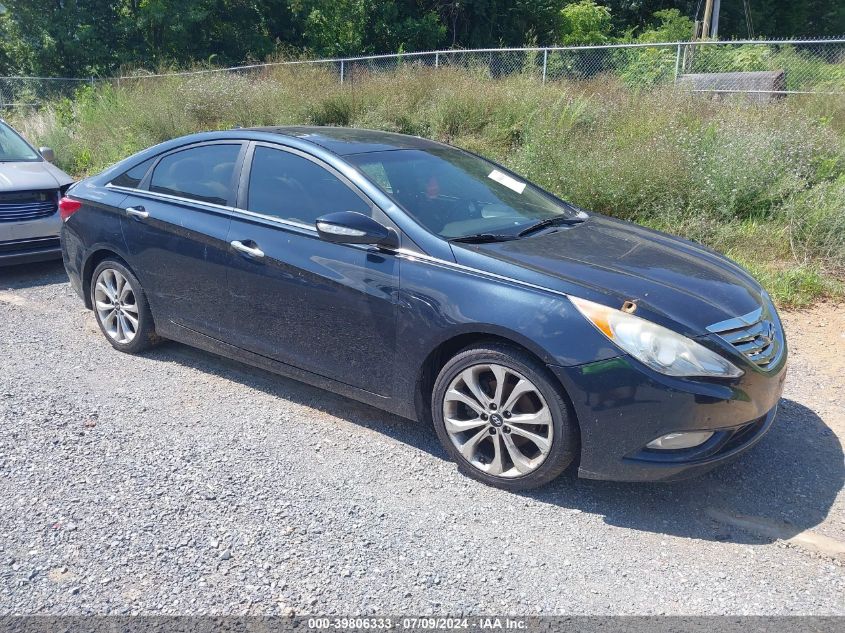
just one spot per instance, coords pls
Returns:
(642, 68)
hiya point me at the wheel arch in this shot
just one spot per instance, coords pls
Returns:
(448, 347)
(91, 262)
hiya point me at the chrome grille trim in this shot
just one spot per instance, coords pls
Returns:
(739, 336)
(757, 336)
(737, 322)
(27, 205)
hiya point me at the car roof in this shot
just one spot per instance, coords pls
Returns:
(344, 141)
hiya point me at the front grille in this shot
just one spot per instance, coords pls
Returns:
(757, 335)
(20, 206)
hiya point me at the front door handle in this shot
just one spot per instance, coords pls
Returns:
(252, 251)
(137, 212)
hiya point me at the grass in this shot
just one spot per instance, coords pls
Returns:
(764, 184)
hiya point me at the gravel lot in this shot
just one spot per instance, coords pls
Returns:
(180, 482)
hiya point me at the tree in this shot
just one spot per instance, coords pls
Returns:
(78, 38)
(771, 18)
(671, 27)
(488, 23)
(358, 27)
(403, 26)
(16, 55)
(60, 37)
(778, 19)
(585, 22)
(182, 31)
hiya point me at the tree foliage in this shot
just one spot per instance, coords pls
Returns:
(356, 27)
(585, 22)
(98, 37)
(671, 26)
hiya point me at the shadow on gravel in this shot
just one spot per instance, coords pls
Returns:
(420, 436)
(781, 487)
(33, 275)
(789, 480)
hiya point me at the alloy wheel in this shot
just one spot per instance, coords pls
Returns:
(498, 420)
(116, 306)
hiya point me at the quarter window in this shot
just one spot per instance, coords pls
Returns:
(134, 176)
(201, 173)
(290, 187)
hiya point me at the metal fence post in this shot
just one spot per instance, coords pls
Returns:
(341, 71)
(437, 60)
(545, 62)
(677, 62)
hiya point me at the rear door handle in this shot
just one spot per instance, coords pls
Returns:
(252, 251)
(137, 212)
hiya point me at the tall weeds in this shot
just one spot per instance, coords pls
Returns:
(763, 183)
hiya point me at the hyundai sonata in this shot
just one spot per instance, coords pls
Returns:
(437, 285)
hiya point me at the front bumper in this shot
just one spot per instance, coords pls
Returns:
(622, 405)
(29, 251)
(30, 241)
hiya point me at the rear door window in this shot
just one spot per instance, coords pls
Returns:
(203, 173)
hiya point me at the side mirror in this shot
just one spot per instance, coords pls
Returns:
(47, 154)
(348, 227)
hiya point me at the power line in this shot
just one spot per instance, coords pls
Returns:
(748, 21)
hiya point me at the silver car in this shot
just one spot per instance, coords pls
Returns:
(30, 189)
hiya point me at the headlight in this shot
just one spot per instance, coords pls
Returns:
(661, 349)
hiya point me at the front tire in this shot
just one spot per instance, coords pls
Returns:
(502, 418)
(121, 308)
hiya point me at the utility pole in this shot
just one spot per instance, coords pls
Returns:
(708, 14)
(714, 29)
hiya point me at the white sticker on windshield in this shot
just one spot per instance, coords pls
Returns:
(507, 181)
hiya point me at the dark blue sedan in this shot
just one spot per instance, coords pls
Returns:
(432, 283)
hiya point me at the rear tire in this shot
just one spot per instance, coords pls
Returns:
(121, 308)
(503, 419)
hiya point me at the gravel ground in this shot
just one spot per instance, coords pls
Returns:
(179, 482)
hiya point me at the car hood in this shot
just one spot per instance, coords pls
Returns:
(24, 176)
(609, 260)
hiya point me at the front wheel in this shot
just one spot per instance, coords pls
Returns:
(499, 415)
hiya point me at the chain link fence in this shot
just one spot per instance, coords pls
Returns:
(761, 70)
(753, 67)
(32, 91)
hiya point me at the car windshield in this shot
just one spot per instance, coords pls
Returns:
(456, 194)
(13, 147)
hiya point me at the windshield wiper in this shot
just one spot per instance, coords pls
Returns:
(481, 238)
(552, 221)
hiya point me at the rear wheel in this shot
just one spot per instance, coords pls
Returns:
(121, 308)
(502, 418)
